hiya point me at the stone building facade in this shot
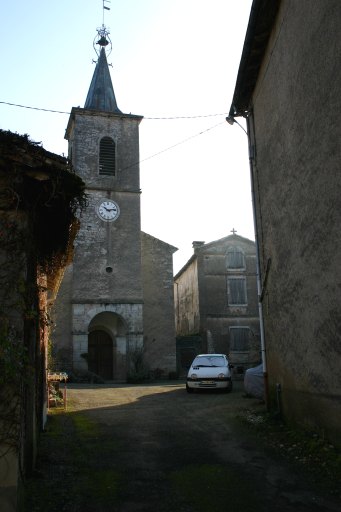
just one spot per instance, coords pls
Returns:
(216, 307)
(100, 312)
(288, 88)
(39, 194)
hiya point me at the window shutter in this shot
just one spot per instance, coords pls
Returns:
(235, 258)
(236, 291)
(239, 339)
(107, 156)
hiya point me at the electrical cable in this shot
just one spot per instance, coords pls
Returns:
(173, 146)
(145, 117)
(34, 108)
(165, 118)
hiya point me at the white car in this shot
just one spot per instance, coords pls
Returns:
(209, 371)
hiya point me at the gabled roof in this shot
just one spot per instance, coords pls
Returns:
(231, 238)
(101, 94)
(203, 247)
(169, 247)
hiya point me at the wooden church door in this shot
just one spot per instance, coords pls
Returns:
(100, 354)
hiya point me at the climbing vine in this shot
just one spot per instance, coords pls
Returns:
(13, 353)
(39, 198)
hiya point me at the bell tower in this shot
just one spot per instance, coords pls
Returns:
(101, 300)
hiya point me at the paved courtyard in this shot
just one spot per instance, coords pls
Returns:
(141, 448)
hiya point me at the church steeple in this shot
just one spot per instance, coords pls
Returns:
(101, 94)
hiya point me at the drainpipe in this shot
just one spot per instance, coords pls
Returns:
(231, 120)
(259, 283)
(177, 309)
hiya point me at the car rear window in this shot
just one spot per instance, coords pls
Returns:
(209, 361)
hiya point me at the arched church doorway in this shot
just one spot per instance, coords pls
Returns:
(107, 346)
(100, 354)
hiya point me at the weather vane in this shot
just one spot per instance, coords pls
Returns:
(102, 39)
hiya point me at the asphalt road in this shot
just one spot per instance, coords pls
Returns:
(133, 448)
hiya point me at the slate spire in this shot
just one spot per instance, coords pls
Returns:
(101, 94)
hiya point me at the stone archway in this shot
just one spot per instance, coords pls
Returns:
(107, 346)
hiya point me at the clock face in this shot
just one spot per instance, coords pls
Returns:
(108, 210)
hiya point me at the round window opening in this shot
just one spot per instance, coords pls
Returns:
(109, 270)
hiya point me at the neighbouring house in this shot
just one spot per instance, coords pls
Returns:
(113, 318)
(288, 89)
(158, 306)
(39, 195)
(216, 306)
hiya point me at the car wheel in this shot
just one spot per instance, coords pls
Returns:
(188, 389)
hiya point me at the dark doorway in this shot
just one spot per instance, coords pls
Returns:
(100, 354)
(187, 347)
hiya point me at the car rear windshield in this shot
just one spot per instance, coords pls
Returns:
(209, 361)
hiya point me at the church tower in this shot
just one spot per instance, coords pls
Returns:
(100, 304)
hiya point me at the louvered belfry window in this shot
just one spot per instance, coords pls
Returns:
(107, 156)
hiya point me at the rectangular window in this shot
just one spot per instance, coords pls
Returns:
(236, 291)
(235, 258)
(239, 339)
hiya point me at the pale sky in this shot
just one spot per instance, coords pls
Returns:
(170, 58)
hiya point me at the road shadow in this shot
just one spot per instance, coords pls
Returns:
(128, 448)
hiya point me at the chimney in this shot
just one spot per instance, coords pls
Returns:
(197, 244)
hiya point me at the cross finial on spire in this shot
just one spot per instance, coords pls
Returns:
(233, 231)
(105, 8)
(102, 40)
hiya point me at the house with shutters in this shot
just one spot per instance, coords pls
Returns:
(216, 305)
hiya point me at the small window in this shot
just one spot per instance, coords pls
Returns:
(235, 258)
(239, 339)
(107, 156)
(236, 290)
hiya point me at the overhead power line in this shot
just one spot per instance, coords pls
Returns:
(144, 117)
(153, 155)
(185, 117)
(173, 146)
(34, 108)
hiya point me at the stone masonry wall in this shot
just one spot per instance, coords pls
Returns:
(298, 183)
(159, 321)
